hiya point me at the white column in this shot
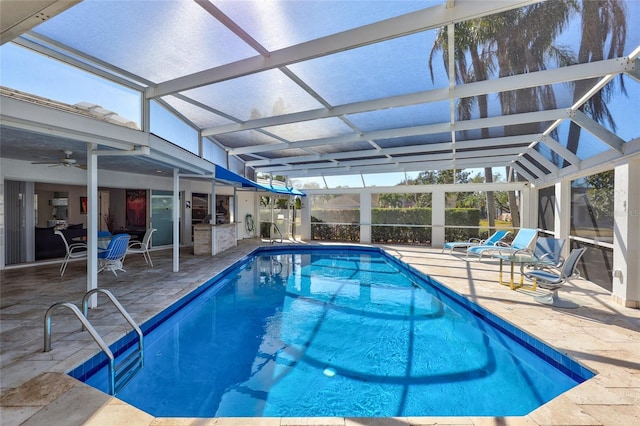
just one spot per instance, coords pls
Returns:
(305, 218)
(92, 223)
(176, 221)
(528, 208)
(626, 235)
(365, 217)
(562, 214)
(438, 203)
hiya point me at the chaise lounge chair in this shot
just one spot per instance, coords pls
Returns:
(524, 240)
(551, 280)
(491, 241)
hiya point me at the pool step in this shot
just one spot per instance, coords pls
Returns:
(127, 370)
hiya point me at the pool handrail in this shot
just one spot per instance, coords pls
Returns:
(119, 307)
(86, 326)
(128, 368)
(272, 225)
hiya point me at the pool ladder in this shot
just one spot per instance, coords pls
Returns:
(121, 374)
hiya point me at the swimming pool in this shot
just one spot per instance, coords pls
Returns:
(325, 331)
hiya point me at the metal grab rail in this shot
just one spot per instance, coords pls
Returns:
(119, 307)
(119, 377)
(271, 226)
(86, 326)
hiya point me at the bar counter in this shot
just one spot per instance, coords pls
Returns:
(209, 239)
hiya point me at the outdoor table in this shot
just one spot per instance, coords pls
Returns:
(520, 259)
(103, 242)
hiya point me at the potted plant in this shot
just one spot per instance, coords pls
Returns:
(110, 221)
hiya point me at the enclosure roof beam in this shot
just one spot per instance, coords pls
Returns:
(538, 78)
(499, 143)
(529, 117)
(599, 131)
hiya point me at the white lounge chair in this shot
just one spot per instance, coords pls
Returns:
(491, 241)
(524, 240)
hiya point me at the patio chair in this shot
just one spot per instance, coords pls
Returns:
(111, 258)
(74, 251)
(554, 280)
(491, 241)
(142, 246)
(549, 252)
(104, 234)
(524, 240)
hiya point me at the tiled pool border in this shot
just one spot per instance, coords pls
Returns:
(560, 361)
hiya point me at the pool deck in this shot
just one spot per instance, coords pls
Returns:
(35, 390)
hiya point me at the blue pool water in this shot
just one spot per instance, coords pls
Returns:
(335, 332)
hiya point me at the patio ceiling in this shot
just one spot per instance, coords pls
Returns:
(325, 88)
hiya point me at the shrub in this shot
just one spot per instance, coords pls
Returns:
(388, 225)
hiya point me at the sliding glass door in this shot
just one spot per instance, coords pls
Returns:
(162, 217)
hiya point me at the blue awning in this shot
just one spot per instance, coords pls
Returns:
(282, 190)
(229, 176)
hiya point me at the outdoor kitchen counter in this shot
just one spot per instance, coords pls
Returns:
(212, 239)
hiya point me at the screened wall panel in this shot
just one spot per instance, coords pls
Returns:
(335, 217)
(592, 207)
(165, 124)
(546, 208)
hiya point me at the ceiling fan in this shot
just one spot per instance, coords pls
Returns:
(67, 161)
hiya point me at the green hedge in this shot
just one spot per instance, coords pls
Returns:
(401, 234)
(461, 217)
(325, 232)
(347, 228)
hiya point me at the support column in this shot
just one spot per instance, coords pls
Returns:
(92, 223)
(214, 217)
(438, 203)
(305, 218)
(626, 237)
(176, 220)
(365, 217)
(562, 214)
(528, 208)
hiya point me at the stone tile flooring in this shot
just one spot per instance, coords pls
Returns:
(35, 390)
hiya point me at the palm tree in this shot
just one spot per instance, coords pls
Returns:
(516, 41)
(469, 36)
(524, 42)
(604, 32)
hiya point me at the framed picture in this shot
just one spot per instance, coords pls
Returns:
(136, 208)
(83, 205)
